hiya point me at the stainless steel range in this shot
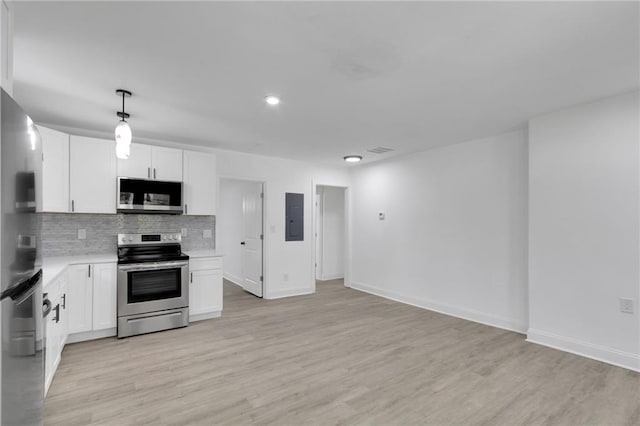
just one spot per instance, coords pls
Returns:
(153, 283)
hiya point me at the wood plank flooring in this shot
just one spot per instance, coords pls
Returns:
(337, 357)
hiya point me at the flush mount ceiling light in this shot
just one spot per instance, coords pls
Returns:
(272, 100)
(123, 131)
(353, 158)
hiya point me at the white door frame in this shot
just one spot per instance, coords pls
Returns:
(265, 235)
(347, 232)
(317, 233)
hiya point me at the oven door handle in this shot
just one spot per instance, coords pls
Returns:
(151, 266)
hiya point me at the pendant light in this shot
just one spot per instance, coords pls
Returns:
(123, 131)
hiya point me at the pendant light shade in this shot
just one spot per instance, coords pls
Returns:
(123, 130)
(123, 140)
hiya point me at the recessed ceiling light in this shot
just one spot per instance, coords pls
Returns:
(352, 158)
(272, 100)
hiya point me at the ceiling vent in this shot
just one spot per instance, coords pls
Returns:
(380, 150)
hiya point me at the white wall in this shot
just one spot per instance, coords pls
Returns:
(332, 232)
(289, 266)
(230, 225)
(455, 234)
(584, 229)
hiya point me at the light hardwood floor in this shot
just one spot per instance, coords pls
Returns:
(337, 357)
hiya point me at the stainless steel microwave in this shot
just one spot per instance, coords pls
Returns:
(149, 196)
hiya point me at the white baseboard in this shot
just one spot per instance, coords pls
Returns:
(332, 277)
(232, 278)
(205, 316)
(92, 335)
(589, 350)
(288, 293)
(467, 314)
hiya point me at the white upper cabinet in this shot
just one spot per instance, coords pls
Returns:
(55, 170)
(152, 162)
(138, 165)
(200, 186)
(166, 164)
(92, 175)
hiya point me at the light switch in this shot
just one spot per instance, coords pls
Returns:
(381, 215)
(82, 234)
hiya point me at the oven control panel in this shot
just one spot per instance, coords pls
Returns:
(151, 239)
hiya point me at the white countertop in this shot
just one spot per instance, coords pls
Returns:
(195, 254)
(52, 267)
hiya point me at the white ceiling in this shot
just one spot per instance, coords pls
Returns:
(352, 76)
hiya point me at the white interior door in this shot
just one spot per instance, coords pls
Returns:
(252, 241)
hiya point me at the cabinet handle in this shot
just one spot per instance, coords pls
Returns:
(56, 319)
(89, 270)
(149, 172)
(64, 301)
(186, 209)
(73, 207)
(154, 172)
(191, 279)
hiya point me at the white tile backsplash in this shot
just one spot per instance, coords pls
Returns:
(59, 231)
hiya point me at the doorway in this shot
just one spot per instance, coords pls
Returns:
(240, 222)
(329, 233)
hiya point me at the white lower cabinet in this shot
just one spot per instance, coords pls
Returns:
(92, 299)
(80, 298)
(205, 288)
(105, 296)
(56, 327)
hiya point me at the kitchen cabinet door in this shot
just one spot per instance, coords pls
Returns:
(64, 311)
(205, 291)
(166, 164)
(55, 170)
(53, 350)
(92, 175)
(80, 298)
(105, 289)
(200, 185)
(138, 165)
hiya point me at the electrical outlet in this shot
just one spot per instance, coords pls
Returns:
(82, 234)
(206, 233)
(626, 306)
(285, 277)
(184, 232)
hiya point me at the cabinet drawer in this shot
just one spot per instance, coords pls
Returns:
(205, 263)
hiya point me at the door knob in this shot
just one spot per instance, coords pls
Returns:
(242, 243)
